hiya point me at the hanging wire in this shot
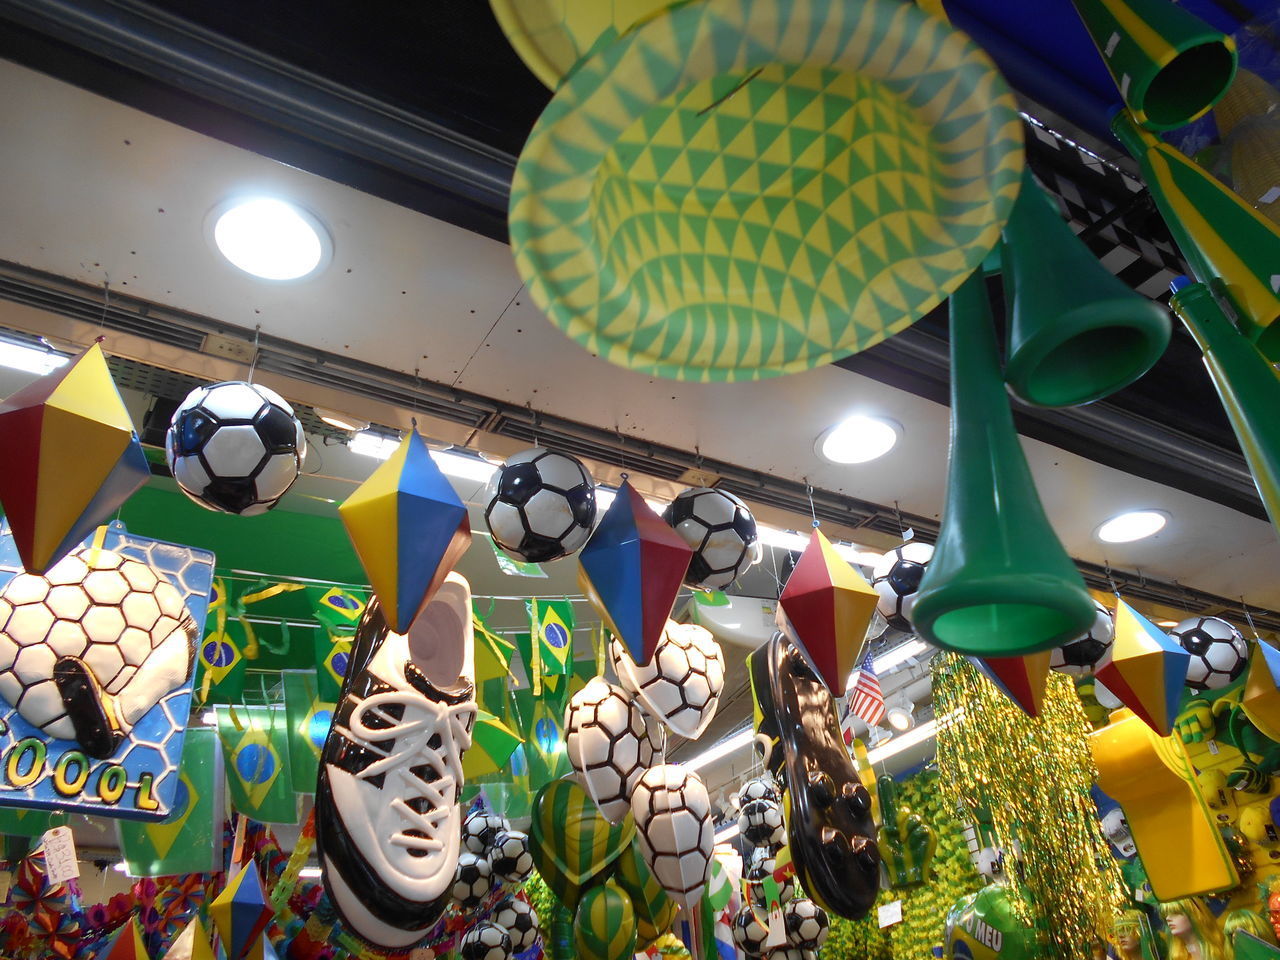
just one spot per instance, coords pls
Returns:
(253, 364)
(106, 301)
(1249, 618)
(1106, 567)
(902, 526)
(813, 513)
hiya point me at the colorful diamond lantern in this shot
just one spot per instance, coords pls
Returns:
(241, 914)
(409, 528)
(1145, 669)
(829, 605)
(127, 944)
(631, 570)
(1022, 679)
(71, 459)
(191, 944)
(1261, 699)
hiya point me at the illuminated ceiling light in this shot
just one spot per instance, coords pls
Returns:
(341, 421)
(722, 749)
(858, 439)
(368, 443)
(727, 832)
(782, 539)
(29, 359)
(1133, 525)
(1166, 623)
(901, 717)
(895, 656)
(309, 872)
(464, 467)
(270, 239)
(119, 866)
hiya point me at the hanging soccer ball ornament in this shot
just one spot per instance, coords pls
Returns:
(896, 577)
(520, 921)
(1219, 653)
(480, 831)
(235, 447)
(673, 820)
(760, 823)
(609, 744)
(763, 864)
(759, 788)
(510, 857)
(721, 531)
(681, 685)
(806, 924)
(1080, 656)
(750, 932)
(540, 505)
(486, 941)
(473, 879)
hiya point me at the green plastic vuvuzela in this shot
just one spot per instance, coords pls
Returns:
(1169, 65)
(1000, 582)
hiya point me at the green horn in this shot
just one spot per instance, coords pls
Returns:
(999, 583)
(1229, 245)
(1169, 64)
(1076, 332)
(1246, 383)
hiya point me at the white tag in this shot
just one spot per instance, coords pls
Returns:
(777, 929)
(889, 913)
(908, 534)
(60, 855)
(1213, 747)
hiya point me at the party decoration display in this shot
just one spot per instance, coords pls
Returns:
(654, 910)
(1000, 583)
(828, 605)
(127, 944)
(549, 651)
(1077, 332)
(510, 856)
(831, 830)
(1033, 778)
(96, 672)
(520, 920)
(1219, 654)
(605, 925)
(806, 924)
(571, 841)
(255, 754)
(388, 826)
(540, 505)
(672, 814)
(1145, 669)
(764, 262)
(721, 531)
(409, 529)
(235, 447)
(1081, 656)
(761, 823)
(485, 941)
(1261, 699)
(472, 880)
(240, 912)
(1021, 679)
(681, 685)
(986, 926)
(609, 744)
(907, 842)
(480, 831)
(896, 578)
(750, 932)
(191, 944)
(72, 459)
(631, 571)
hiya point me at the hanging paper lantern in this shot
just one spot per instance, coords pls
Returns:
(609, 744)
(681, 685)
(605, 925)
(240, 912)
(191, 944)
(1145, 669)
(672, 813)
(1021, 679)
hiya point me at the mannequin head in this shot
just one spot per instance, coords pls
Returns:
(1127, 933)
(1191, 922)
(1249, 922)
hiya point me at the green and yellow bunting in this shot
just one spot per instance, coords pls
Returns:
(309, 720)
(605, 925)
(571, 841)
(255, 753)
(220, 660)
(339, 612)
(540, 724)
(492, 743)
(552, 622)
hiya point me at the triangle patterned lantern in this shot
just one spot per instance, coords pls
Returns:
(191, 944)
(1145, 669)
(1261, 699)
(126, 945)
(71, 459)
(631, 570)
(241, 914)
(828, 605)
(1022, 679)
(409, 528)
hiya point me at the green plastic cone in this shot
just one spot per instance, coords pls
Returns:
(999, 583)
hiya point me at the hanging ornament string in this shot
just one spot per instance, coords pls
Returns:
(106, 302)
(253, 364)
(813, 512)
(1249, 619)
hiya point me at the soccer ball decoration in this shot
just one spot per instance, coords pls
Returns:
(749, 932)
(806, 924)
(540, 505)
(1078, 657)
(518, 918)
(486, 941)
(763, 863)
(235, 447)
(472, 880)
(672, 813)
(681, 685)
(721, 531)
(759, 788)
(1219, 654)
(609, 744)
(896, 577)
(480, 831)
(510, 857)
(91, 646)
(760, 823)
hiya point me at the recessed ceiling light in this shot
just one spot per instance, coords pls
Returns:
(858, 439)
(341, 421)
(270, 238)
(1133, 525)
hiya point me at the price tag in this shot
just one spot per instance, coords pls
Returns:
(60, 855)
(889, 913)
(1213, 747)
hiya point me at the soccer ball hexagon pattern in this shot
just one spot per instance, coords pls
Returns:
(681, 685)
(540, 505)
(609, 744)
(472, 880)
(750, 932)
(721, 531)
(485, 941)
(896, 577)
(672, 813)
(759, 788)
(103, 609)
(510, 857)
(806, 924)
(1080, 656)
(480, 831)
(235, 447)
(760, 823)
(1219, 653)
(763, 863)
(518, 918)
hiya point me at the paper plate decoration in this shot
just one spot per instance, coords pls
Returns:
(828, 605)
(1079, 657)
(605, 925)
(1219, 653)
(518, 918)
(571, 841)
(485, 941)
(672, 814)
(896, 578)
(681, 685)
(191, 944)
(654, 910)
(631, 570)
(540, 505)
(1145, 669)
(609, 744)
(71, 459)
(737, 189)
(721, 531)
(240, 912)
(409, 529)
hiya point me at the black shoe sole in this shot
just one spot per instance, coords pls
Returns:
(82, 698)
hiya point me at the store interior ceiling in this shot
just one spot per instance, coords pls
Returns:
(113, 166)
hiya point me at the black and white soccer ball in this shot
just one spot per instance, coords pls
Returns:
(518, 918)
(1219, 653)
(806, 924)
(540, 505)
(721, 531)
(610, 744)
(1079, 657)
(682, 684)
(480, 831)
(759, 788)
(235, 447)
(762, 864)
(896, 578)
(472, 880)
(486, 941)
(672, 813)
(510, 857)
(750, 932)
(760, 823)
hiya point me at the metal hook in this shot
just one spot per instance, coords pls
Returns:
(808, 488)
(1106, 566)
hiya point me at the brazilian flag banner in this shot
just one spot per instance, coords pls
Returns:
(255, 754)
(220, 659)
(309, 721)
(338, 612)
(185, 842)
(552, 622)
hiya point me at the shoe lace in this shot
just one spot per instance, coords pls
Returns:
(413, 750)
